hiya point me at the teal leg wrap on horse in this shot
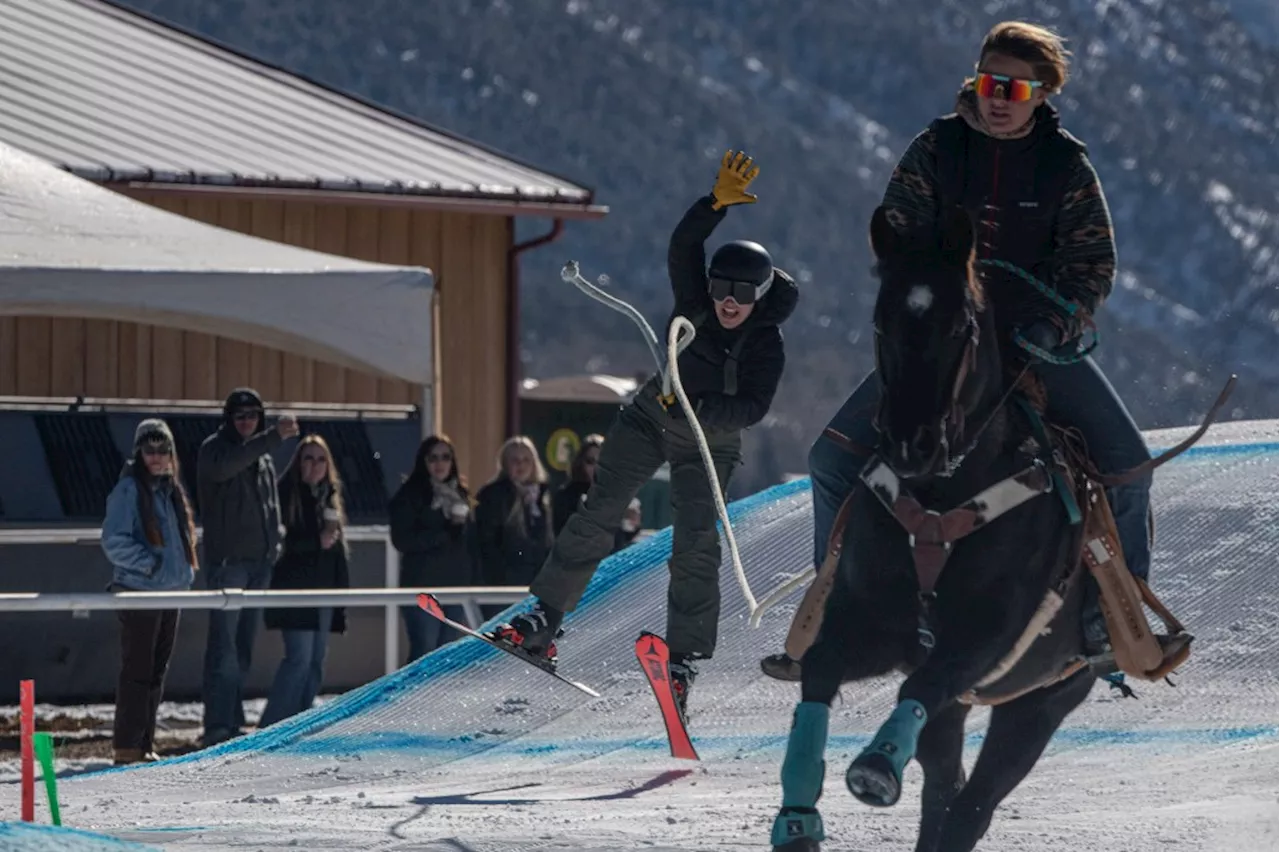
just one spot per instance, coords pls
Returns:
(803, 768)
(897, 738)
(792, 825)
(802, 772)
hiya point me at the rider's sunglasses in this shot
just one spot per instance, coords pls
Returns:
(1005, 88)
(742, 292)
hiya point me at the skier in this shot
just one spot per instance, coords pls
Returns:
(730, 373)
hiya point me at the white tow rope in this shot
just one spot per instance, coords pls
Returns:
(679, 336)
(571, 274)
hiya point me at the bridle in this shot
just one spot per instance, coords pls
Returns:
(951, 424)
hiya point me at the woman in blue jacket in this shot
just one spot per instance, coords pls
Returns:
(149, 537)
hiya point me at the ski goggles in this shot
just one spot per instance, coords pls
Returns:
(1005, 88)
(742, 292)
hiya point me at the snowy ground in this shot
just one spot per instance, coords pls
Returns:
(470, 750)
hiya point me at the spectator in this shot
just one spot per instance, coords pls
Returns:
(430, 526)
(573, 494)
(514, 530)
(149, 537)
(314, 557)
(240, 509)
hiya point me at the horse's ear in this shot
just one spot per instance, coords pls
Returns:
(958, 236)
(884, 237)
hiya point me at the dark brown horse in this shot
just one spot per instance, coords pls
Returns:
(960, 481)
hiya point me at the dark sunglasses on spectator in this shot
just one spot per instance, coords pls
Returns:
(742, 292)
(440, 457)
(247, 414)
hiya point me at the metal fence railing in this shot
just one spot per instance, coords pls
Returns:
(391, 597)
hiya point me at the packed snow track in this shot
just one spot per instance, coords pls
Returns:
(469, 750)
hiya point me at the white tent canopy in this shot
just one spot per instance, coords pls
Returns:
(69, 248)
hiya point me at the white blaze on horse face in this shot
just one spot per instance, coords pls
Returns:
(919, 300)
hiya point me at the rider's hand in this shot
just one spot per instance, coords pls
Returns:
(736, 174)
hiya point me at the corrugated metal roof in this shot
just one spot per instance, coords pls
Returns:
(112, 95)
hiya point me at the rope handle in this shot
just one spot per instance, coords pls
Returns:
(571, 273)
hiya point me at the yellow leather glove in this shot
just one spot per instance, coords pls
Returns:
(736, 174)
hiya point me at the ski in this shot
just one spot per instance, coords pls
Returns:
(655, 658)
(432, 606)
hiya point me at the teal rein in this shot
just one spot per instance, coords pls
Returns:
(1071, 309)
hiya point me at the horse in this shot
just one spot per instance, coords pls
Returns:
(966, 478)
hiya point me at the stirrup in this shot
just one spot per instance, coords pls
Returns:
(1175, 648)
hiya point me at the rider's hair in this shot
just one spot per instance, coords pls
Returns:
(1039, 47)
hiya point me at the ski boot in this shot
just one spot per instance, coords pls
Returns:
(682, 672)
(534, 633)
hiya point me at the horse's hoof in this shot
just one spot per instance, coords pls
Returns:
(797, 830)
(872, 780)
(781, 667)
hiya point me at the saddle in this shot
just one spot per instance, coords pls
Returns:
(1134, 648)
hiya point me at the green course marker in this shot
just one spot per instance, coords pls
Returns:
(43, 744)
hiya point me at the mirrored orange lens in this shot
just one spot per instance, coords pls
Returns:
(1006, 88)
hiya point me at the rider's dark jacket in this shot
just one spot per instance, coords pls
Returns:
(1036, 199)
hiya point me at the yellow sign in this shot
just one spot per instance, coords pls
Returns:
(562, 446)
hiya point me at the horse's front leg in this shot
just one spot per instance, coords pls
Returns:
(972, 637)
(940, 754)
(1016, 738)
(846, 649)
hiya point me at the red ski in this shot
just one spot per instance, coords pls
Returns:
(432, 606)
(655, 657)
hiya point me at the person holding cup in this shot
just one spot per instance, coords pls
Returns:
(314, 557)
(431, 522)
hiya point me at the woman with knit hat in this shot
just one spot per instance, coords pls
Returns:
(149, 537)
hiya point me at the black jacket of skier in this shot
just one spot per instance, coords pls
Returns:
(702, 365)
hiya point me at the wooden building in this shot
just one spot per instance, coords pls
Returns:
(189, 126)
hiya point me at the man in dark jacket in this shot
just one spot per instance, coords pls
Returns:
(240, 513)
(730, 373)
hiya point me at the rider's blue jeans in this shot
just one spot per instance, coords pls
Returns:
(1079, 396)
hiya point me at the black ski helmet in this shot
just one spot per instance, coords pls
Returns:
(743, 260)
